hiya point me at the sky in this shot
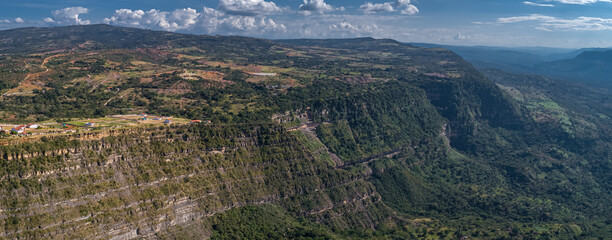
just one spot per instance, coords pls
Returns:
(512, 23)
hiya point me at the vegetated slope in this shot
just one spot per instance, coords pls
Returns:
(354, 138)
(461, 93)
(590, 68)
(507, 148)
(130, 183)
(93, 37)
(583, 116)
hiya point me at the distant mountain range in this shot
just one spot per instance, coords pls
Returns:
(589, 66)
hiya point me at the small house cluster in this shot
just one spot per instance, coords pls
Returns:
(18, 130)
(21, 129)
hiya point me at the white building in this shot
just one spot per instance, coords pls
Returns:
(18, 130)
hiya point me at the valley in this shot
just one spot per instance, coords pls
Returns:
(158, 135)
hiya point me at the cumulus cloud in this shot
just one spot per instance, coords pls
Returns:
(209, 20)
(242, 24)
(16, 20)
(69, 15)
(48, 20)
(344, 29)
(215, 21)
(377, 8)
(538, 4)
(170, 21)
(404, 6)
(549, 23)
(248, 7)
(316, 6)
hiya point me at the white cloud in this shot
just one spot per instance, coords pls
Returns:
(70, 15)
(16, 20)
(533, 17)
(241, 24)
(210, 19)
(48, 20)
(461, 37)
(207, 21)
(316, 6)
(404, 6)
(346, 29)
(548, 23)
(170, 21)
(377, 8)
(126, 17)
(343, 25)
(248, 7)
(538, 4)
(580, 2)
(215, 21)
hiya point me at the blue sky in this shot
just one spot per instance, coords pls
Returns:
(552, 23)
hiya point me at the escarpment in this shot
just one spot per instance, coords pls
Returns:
(137, 183)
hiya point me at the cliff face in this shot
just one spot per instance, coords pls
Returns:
(383, 140)
(136, 183)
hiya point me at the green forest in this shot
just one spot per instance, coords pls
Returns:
(350, 139)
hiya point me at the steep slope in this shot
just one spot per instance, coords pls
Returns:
(461, 93)
(576, 120)
(345, 138)
(127, 184)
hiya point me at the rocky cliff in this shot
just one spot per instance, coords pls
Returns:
(125, 184)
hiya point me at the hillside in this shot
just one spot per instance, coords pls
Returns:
(586, 66)
(328, 139)
(517, 59)
(590, 68)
